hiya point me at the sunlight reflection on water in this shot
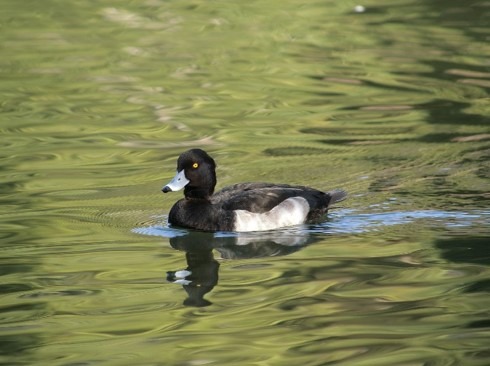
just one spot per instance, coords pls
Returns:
(343, 221)
(389, 104)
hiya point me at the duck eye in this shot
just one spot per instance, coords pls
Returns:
(195, 165)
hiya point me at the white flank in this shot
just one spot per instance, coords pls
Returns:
(292, 211)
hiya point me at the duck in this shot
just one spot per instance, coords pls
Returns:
(242, 207)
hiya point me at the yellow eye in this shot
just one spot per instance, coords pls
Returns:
(195, 165)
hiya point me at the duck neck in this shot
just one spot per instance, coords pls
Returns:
(203, 193)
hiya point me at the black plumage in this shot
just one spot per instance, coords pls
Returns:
(203, 209)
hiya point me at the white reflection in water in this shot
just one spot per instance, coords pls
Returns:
(347, 221)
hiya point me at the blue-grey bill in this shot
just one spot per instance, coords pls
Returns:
(177, 183)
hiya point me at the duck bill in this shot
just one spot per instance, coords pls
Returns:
(177, 183)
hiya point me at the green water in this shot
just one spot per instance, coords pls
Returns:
(97, 100)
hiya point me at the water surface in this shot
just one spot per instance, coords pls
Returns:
(390, 104)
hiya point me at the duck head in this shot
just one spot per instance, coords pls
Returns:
(196, 173)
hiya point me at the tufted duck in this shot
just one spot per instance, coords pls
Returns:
(243, 206)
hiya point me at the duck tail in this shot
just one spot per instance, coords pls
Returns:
(337, 195)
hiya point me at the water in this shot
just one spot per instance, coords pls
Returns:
(390, 104)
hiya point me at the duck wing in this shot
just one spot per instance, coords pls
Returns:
(262, 197)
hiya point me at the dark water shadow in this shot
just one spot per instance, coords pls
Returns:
(468, 249)
(202, 272)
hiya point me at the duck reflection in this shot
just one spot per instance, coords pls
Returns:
(201, 274)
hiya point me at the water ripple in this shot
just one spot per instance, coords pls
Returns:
(342, 221)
